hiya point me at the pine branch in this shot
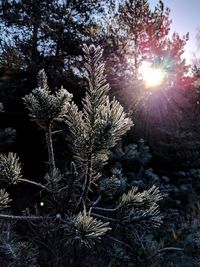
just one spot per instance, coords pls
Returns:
(86, 184)
(33, 183)
(72, 175)
(4, 199)
(160, 251)
(84, 230)
(26, 218)
(50, 149)
(103, 209)
(47, 109)
(99, 126)
(93, 204)
(10, 168)
(119, 241)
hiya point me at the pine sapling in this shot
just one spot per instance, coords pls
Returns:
(99, 126)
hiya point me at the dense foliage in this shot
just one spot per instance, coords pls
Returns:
(81, 186)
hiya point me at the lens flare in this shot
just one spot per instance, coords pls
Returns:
(153, 77)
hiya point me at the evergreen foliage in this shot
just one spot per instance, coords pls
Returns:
(71, 217)
(53, 180)
(10, 168)
(143, 36)
(85, 230)
(4, 199)
(44, 107)
(47, 109)
(99, 200)
(7, 136)
(100, 125)
(16, 252)
(137, 208)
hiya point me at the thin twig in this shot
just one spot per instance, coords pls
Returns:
(50, 149)
(26, 218)
(34, 183)
(166, 249)
(119, 241)
(93, 204)
(86, 185)
(104, 218)
(103, 209)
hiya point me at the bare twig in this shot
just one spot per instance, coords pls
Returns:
(103, 209)
(34, 183)
(26, 218)
(104, 217)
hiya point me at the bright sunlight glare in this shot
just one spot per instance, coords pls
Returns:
(153, 77)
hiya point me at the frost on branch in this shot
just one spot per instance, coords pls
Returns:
(4, 199)
(10, 168)
(44, 107)
(84, 230)
(140, 209)
(102, 122)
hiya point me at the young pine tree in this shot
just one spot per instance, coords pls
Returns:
(67, 230)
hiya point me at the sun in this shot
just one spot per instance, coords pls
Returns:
(153, 77)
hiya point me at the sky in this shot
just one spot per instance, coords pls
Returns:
(185, 15)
